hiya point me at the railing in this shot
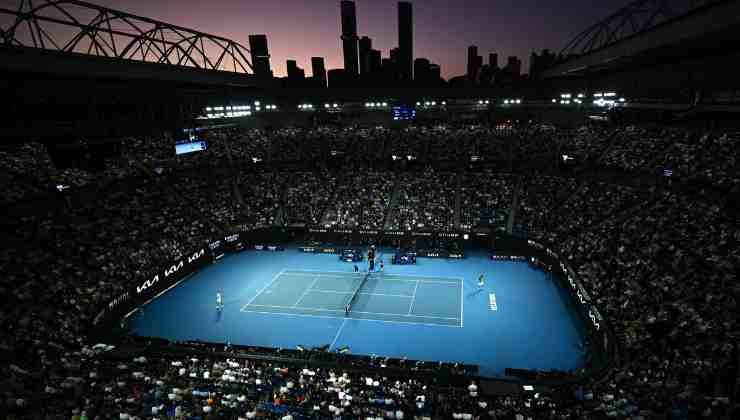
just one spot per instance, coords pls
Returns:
(636, 17)
(73, 26)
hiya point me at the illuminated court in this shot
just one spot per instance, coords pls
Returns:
(432, 311)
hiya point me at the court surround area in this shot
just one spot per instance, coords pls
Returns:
(431, 311)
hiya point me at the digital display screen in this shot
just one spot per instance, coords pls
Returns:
(403, 113)
(190, 147)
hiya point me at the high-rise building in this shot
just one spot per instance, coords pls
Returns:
(539, 63)
(375, 61)
(395, 55)
(421, 71)
(474, 64)
(318, 71)
(349, 36)
(295, 73)
(260, 56)
(366, 45)
(337, 78)
(405, 40)
(514, 66)
(388, 70)
(435, 73)
(493, 61)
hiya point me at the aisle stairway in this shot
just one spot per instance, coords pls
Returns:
(458, 198)
(514, 205)
(393, 203)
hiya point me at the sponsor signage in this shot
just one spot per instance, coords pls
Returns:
(448, 235)
(508, 258)
(268, 248)
(175, 271)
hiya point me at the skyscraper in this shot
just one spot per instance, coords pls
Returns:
(349, 36)
(474, 64)
(405, 40)
(493, 61)
(295, 73)
(435, 73)
(388, 70)
(337, 78)
(260, 56)
(366, 45)
(421, 71)
(375, 61)
(318, 71)
(514, 66)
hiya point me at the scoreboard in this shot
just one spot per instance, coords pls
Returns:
(403, 113)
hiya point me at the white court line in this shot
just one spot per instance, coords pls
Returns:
(339, 292)
(305, 292)
(356, 319)
(298, 307)
(355, 312)
(338, 332)
(413, 297)
(263, 289)
(385, 274)
(384, 278)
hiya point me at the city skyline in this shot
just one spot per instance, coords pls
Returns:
(442, 31)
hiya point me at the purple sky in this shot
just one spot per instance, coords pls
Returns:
(443, 29)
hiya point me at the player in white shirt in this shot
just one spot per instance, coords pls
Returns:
(219, 301)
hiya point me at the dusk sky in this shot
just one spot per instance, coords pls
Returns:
(443, 29)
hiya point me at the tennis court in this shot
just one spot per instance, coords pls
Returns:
(381, 297)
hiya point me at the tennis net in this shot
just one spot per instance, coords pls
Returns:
(348, 306)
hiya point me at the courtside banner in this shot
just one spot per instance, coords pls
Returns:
(147, 289)
(169, 275)
(233, 243)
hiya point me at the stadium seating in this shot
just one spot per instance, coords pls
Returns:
(660, 258)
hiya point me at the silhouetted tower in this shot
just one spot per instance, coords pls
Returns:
(349, 36)
(514, 66)
(405, 40)
(421, 70)
(493, 60)
(295, 73)
(366, 45)
(260, 56)
(318, 71)
(475, 63)
(435, 73)
(375, 61)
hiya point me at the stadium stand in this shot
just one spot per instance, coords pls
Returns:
(661, 260)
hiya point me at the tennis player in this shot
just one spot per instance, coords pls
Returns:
(219, 301)
(481, 283)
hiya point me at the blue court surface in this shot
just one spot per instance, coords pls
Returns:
(432, 311)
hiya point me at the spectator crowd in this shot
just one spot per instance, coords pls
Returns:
(659, 260)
